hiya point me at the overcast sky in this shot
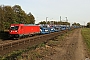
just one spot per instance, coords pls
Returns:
(75, 10)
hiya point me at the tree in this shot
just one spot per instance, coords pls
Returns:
(20, 14)
(14, 15)
(1, 18)
(31, 18)
(9, 17)
(42, 22)
(88, 24)
(78, 24)
(74, 24)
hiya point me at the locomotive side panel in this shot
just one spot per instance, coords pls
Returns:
(31, 29)
(19, 30)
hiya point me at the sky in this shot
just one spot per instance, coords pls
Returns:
(75, 10)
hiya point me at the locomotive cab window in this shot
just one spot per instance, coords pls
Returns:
(14, 27)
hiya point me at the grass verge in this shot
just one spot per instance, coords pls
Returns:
(86, 36)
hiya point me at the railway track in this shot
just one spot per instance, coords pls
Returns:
(6, 48)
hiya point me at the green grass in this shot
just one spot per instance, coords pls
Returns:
(86, 36)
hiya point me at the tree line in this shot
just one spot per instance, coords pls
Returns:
(88, 25)
(54, 22)
(14, 15)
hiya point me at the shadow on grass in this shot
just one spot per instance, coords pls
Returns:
(4, 35)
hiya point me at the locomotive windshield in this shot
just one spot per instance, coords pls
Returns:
(14, 27)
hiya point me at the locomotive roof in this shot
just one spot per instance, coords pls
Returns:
(30, 25)
(25, 24)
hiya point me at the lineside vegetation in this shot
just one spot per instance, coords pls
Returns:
(86, 36)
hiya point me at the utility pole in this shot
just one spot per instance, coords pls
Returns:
(60, 18)
(46, 20)
(66, 19)
(51, 21)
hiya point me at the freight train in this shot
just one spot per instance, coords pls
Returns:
(22, 30)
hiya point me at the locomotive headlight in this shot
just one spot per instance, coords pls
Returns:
(11, 31)
(15, 31)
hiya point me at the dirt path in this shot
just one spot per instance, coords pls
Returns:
(72, 48)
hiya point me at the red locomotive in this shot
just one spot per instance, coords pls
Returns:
(20, 30)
